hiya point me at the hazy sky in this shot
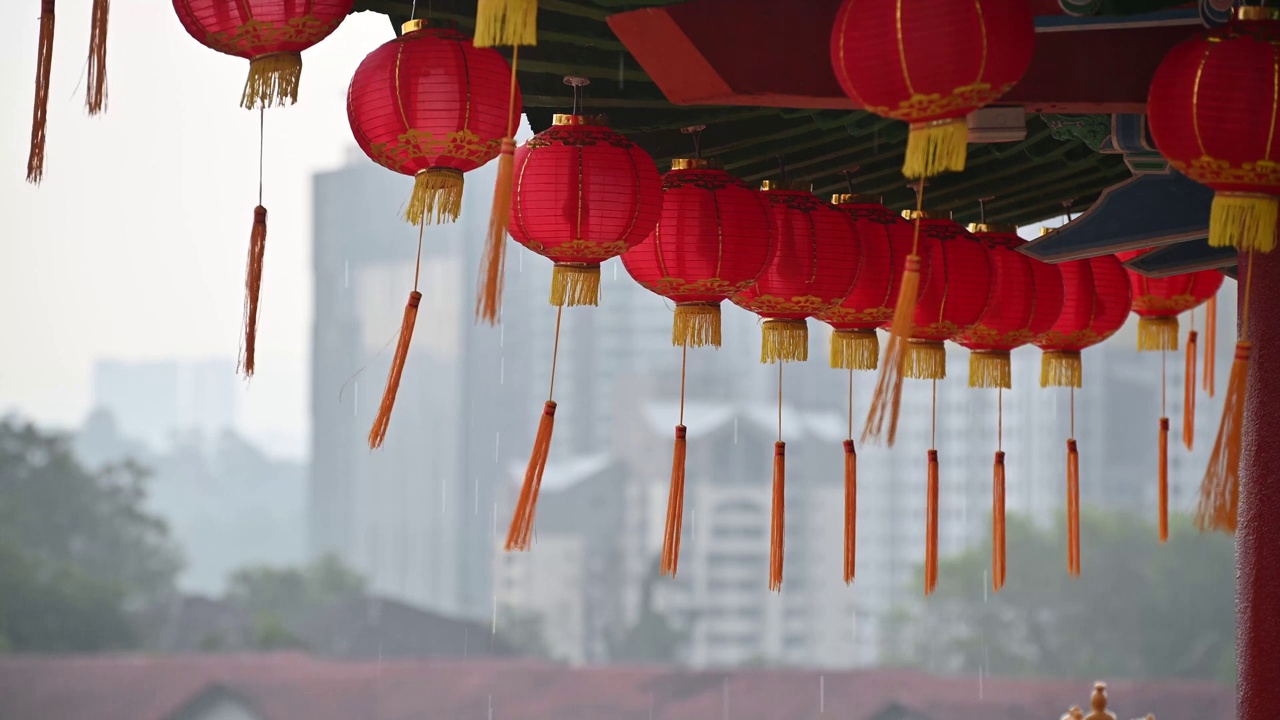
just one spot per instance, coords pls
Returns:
(134, 245)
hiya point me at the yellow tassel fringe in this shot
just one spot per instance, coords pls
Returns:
(784, 341)
(936, 147)
(273, 80)
(990, 369)
(696, 325)
(855, 350)
(1246, 222)
(575, 284)
(506, 22)
(1060, 368)
(437, 197)
(926, 360)
(1157, 334)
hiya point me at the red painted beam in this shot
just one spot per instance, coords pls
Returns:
(755, 52)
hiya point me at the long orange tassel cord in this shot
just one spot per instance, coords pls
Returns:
(850, 496)
(96, 91)
(1073, 496)
(378, 433)
(779, 513)
(1211, 345)
(1189, 389)
(521, 531)
(887, 399)
(997, 501)
(492, 266)
(931, 508)
(1164, 451)
(675, 499)
(1220, 489)
(40, 111)
(253, 266)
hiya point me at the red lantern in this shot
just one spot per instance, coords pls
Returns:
(431, 105)
(1095, 303)
(1026, 299)
(930, 63)
(1159, 301)
(713, 239)
(1214, 114)
(954, 290)
(270, 34)
(816, 263)
(583, 194)
(869, 304)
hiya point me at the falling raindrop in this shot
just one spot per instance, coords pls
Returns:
(985, 583)
(615, 272)
(822, 694)
(346, 274)
(494, 628)
(490, 707)
(502, 334)
(496, 437)
(735, 429)
(725, 711)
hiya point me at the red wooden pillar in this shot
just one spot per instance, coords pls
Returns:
(1258, 532)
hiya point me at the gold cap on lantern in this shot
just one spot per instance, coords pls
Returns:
(421, 24)
(696, 164)
(853, 199)
(923, 215)
(794, 185)
(1254, 12)
(570, 119)
(1002, 228)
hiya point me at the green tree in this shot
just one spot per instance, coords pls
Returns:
(77, 548)
(274, 595)
(1139, 608)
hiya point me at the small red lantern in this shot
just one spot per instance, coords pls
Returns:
(431, 105)
(1095, 303)
(270, 34)
(954, 290)
(816, 263)
(1214, 114)
(713, 239)
(1026, 300)
(869, 304)
(1159, 301)
(583, 194)
(930, 63)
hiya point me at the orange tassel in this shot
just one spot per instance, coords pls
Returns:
(521, 530)
(40, 113)
(888, 396)
(850, 510)
(1073, 509)
(1189, 394)
(378, 433)
(931, 529)
(96, 92)
(998, 524)
(252, 288)
(1211, 345)
(1164, 479)
(1220, 490)
(675, 508)
(489, 292)
(776, 543)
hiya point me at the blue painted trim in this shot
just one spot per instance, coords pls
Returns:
(1067, 23)
(1184, 257)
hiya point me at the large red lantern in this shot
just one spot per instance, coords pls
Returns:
(1157, 302)
(954, 291)
(1095, 303)
(930, 63)
(431, 105)
(869, 304)
(1214, 114)
(713, 238)
(1026, 300)
(816, 263)
(582, 194)
(270, 34)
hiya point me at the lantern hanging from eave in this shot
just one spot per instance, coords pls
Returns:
(431, 105)
(271, 35)
(1026, 299)
(713, 238)
(1157, 302)
(95, 75)
(816, 263)
(867, 306)
(582, 194)
(931, 63)
(1095, 303)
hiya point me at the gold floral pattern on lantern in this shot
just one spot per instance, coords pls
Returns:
(418, 144)
(1205, 169)
(1157, 304)
(935, 104)
(797, 304)
(1063, 341)
(256, 33)
(707, 286)
(840, 314)
(586, 250)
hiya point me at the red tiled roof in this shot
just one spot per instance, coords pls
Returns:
(293, 686)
